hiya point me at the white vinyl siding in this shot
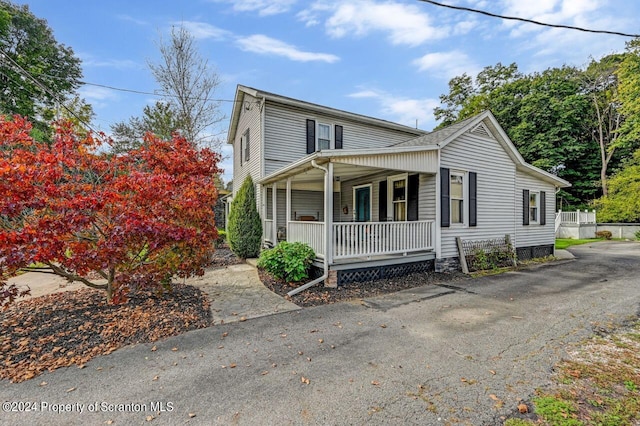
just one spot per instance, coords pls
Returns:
(285, 134)
(495, 189)
(249, 122)
(534, 234)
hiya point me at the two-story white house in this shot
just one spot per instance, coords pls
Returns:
(375, 198)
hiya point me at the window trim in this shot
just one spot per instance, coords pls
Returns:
(464, 199)
(246, 152)
(331, 137)
(535, 194)
(390, 202)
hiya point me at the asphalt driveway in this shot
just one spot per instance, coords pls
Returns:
(464, 355)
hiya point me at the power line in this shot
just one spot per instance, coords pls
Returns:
(55, 97)
(141, 92)
(530, 21)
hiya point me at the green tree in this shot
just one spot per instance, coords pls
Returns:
(37, 73)
(244, 228)
(628, 93)
(601, 87)
(546, 115)
(159, 119)
(623, 203)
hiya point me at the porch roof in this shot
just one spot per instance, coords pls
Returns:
(351, 163)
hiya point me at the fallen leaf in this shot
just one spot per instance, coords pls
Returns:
(192, 415)
(300, 352)
(43, 384)
(375, 383)
(149, 418)
(463, 380)
(492, 372)
(320, 340)
(154, 348)
(523, 408)
(109, 422)
(305, 380)
(81, 366)
(174, 349)
(495, 398)
(225, 334)
(242, 319)
(264, 373)
(155, 378)
(232, 365)
(383, 325)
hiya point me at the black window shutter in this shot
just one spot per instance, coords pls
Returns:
(543, 208)
(247, 145)
(473, 199)
(525, 206)
(382, 201)
(311, 136)
(412, 197)
(445, 198)
(338, 139)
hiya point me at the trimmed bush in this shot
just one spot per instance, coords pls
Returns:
(244, 230)
(288, 261)
(604, 234)
(222, 238)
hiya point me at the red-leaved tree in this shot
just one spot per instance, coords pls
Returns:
(115, 223)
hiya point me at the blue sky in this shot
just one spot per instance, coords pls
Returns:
(387, 59)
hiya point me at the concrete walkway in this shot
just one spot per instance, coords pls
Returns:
(237, 294)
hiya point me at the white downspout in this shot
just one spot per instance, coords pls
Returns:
(328, 186)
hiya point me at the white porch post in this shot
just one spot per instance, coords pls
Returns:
(288, 214)
(438, 229)
(274, 201)
(328, 218)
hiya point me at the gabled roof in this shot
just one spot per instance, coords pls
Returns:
(444, 136)
(320, 109)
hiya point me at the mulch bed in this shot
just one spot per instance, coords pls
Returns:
(62, 329)
(318, 295)
(223, 257)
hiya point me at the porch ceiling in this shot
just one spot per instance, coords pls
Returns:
(349, 164)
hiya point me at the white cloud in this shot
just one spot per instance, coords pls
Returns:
(202, 30)
(264, 7)
(99, 97)
(404, 24)
(400, 109)
(447, 64)
(262, 44)
(120, 64)
(130, 18)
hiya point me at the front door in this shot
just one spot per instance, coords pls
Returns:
(363, 204)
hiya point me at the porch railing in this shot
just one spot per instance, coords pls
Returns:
(267, 230)
(365, 239)
(578, 217)
(311, 233)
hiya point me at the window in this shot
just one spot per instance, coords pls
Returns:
(533, 207)
(247, 144)
(457, 197)
(398, 197)
(324, 136)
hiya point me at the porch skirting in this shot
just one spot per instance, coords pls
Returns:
(532, 252)
(347, 276)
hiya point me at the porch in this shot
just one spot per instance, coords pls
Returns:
(354, 242)
(355, 210)
(576, 224)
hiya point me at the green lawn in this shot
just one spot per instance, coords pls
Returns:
(563, 243)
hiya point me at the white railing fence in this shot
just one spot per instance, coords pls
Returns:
(365, 239)
(311, 233)
(558, 220)
(576, 218)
